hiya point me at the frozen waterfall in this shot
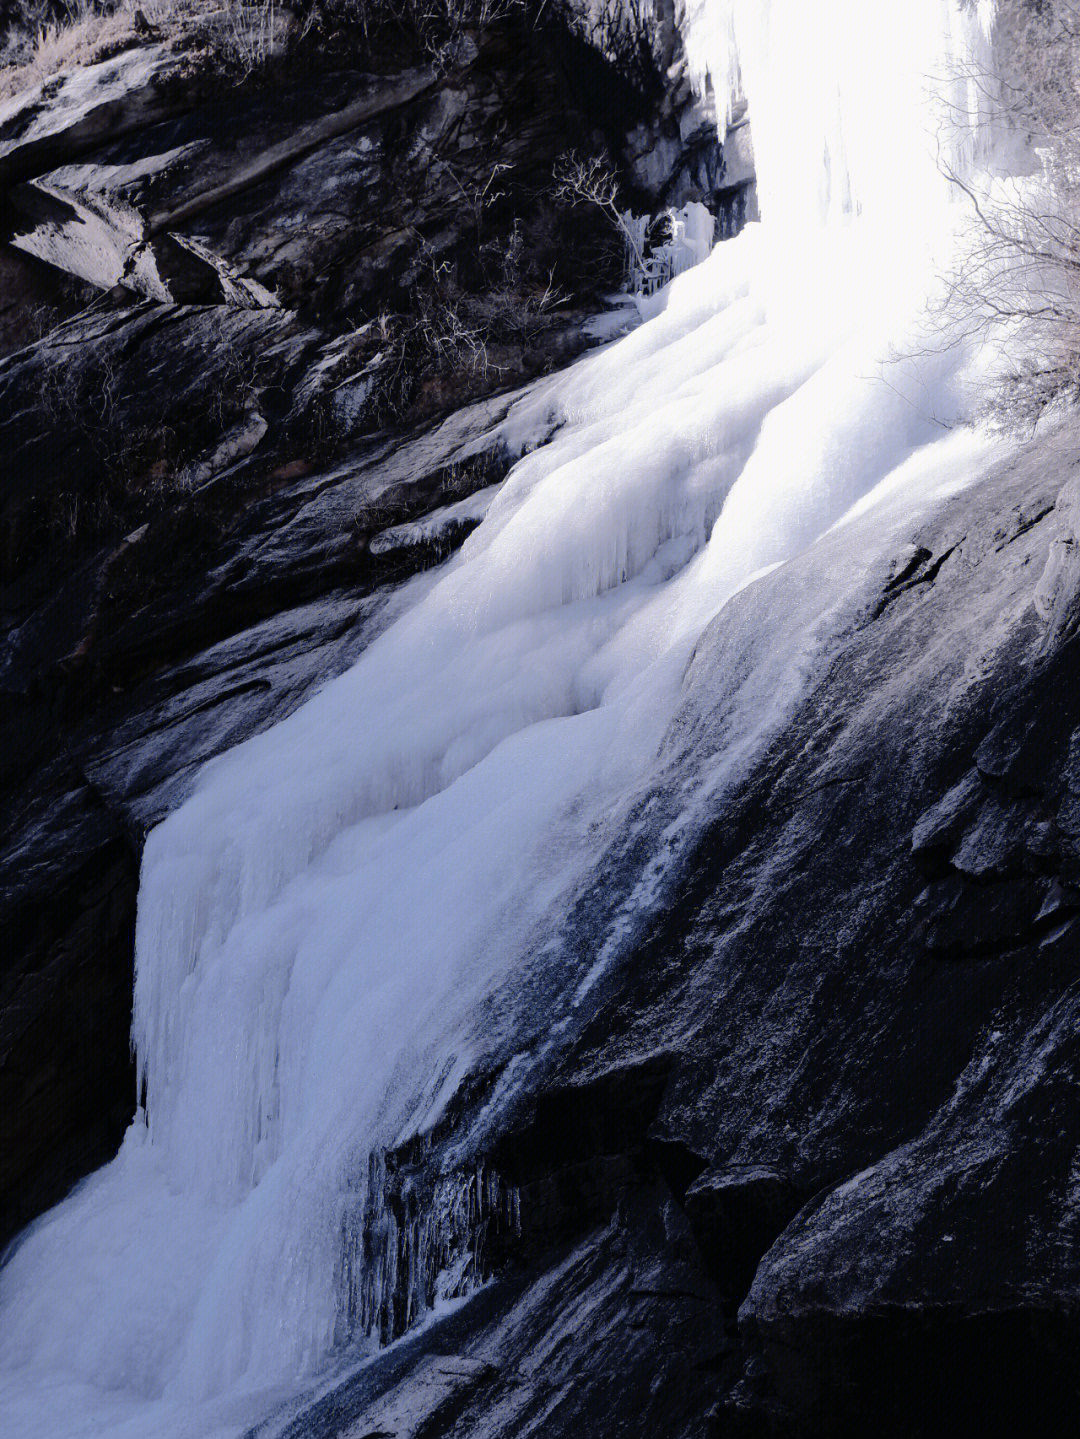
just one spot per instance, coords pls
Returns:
(320, 921)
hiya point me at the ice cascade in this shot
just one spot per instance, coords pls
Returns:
(320, 921)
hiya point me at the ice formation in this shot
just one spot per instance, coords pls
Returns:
(690, 240)
(319, 922)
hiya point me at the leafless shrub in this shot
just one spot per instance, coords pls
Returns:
(49, 36)
(239, 371)
(436, 345)
(82, 400)
(592, 181)
(478, 198)
(1020, 272)
(128, 448)
(46, 41)
(451, 344)
(434, 27)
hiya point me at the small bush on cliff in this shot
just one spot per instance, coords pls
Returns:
(1021, 269)
(45, 38)
(432, 25)
(451, 345)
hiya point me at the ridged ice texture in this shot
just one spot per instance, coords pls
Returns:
(320, 921)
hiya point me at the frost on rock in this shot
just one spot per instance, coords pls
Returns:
(441, 531)
(411, 1249)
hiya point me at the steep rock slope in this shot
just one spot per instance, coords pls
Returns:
(809, 1156)
(813, 1131)
(215, 455)
(120, 679)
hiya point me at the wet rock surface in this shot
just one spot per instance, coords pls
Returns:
(840, 1058)
(815, 1132)
(615, 1331)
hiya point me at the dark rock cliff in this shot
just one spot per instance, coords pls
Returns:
(238, 307)
(806, 1162)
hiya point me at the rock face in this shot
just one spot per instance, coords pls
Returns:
(333, 188)
(827, 1096)
(615, 1331)
(119, 679)
(736, 1213)
(73, 112)
(213, 483)
(33, 298)
(806, 1162)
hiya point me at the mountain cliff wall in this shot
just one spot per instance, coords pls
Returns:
(804, 1160)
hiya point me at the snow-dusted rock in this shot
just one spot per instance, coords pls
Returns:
(70, 113)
